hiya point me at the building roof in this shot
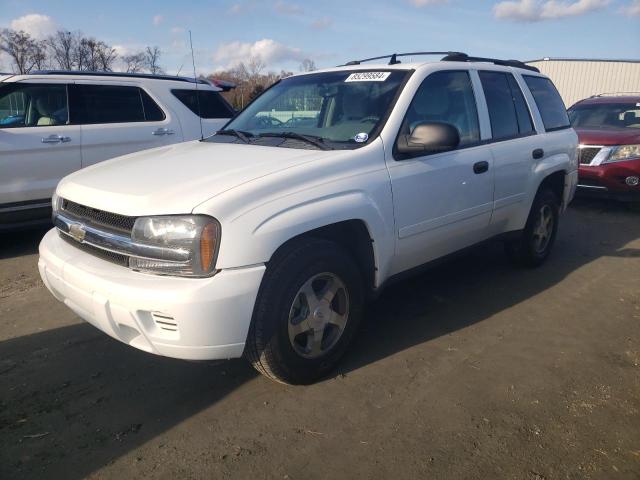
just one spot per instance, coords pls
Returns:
(562, 59)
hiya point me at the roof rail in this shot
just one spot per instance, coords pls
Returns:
(120, 74)
(614, 94)
(393, 58)
(463, 57)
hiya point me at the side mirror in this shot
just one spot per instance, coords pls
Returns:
(431, 137)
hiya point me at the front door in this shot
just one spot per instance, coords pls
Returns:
(38, 146)
(442, 202)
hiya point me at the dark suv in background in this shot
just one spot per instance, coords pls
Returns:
(608, 128)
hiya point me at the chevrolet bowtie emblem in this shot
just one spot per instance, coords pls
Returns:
(77, 232)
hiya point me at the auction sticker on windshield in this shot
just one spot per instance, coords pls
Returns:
(368, 77)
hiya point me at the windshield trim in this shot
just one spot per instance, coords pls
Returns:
(375, 133)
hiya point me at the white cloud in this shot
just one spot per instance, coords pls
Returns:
(267, 50)
(424, 3)
(158, 19)
(176, 30)
(632, 9)
(322, 23)
(536, 10)
(36, 25)
(286, 8)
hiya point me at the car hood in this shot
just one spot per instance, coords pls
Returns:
(608, 136)
(177, 178)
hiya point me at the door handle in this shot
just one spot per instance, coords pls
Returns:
(537, 154)
(480, 167)
(162, 131)
(56, 139)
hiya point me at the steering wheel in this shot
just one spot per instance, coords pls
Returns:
(266, 122)
(372, 119)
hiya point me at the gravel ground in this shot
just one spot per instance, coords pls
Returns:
(474, 369)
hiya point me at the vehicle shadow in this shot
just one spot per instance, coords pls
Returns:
(73, 400)
(482, 282)
(22, 242)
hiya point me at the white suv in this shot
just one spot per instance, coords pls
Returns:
(266, 239)
(54, 123)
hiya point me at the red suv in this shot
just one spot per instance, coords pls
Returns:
(608, 128)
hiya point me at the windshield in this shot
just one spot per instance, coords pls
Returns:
(336, 110)
(607, 115)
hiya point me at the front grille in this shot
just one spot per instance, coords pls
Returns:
(587, 154)
(121, 223)
(116, 258)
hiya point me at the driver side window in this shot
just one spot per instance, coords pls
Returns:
(33, 105)
(446, 97)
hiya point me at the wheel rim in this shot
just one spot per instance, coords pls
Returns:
(318, 315)
(543, 229)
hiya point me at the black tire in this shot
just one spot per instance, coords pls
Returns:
(526, 250)
(269, 348)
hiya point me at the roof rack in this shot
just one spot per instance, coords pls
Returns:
(614, 94)
(393, 58)
(463, 57)
(448, 57)
(120, 74)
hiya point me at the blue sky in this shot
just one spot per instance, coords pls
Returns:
(283, 32)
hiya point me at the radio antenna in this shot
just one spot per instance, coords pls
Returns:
(195, 79)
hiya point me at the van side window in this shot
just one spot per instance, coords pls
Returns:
(92, 104)
(446, 97)
(33, 105)
(549, 102)
(212, 105)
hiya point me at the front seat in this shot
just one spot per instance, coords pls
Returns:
(46, 109)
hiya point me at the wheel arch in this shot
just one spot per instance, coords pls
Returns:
(353, 235)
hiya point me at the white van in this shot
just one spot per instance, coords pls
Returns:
(54, 123)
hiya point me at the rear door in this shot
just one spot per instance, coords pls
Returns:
(117, 119)
(514, 142)
(38, 146)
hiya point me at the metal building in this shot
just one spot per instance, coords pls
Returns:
(581, 78)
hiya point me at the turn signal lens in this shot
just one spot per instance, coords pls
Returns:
(208, 239)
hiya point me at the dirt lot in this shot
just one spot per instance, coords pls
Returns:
(472, 370)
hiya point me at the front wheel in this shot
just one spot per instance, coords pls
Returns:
(537, 239)
(307, 312)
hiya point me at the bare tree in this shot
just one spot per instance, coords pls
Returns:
(62, 47)
(106, 56)
(94, 55)
(152, 60)
(135, 62)
(307, 65)
(24, 51)
(39, 55)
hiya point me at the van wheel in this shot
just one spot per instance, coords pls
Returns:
(307, 312)
(535, 243)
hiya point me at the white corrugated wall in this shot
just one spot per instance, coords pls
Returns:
(578, 79)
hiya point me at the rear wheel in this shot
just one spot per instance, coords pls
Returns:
(307, 312)
(535, 244)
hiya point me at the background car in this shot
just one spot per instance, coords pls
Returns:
(608, 127)
(53, 123)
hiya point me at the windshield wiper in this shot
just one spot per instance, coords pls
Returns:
(310, 139)
(244, 136)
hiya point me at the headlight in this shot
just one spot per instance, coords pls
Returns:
(622, 153)
(196, 236)
(56, 205)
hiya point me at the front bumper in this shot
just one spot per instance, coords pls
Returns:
(188, 318)
(609, 180)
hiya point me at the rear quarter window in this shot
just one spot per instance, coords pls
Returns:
(550, 104)
(211, 104)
